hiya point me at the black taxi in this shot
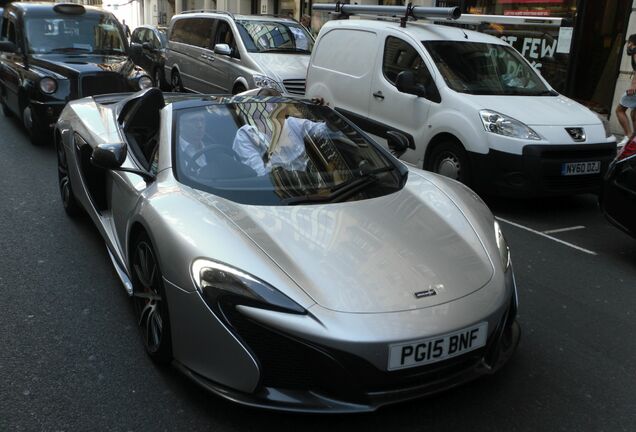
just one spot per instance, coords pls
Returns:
(53, 53)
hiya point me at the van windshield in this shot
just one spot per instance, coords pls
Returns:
(272, 36)
(485, 69)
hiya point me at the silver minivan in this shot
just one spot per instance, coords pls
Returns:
(220, 53)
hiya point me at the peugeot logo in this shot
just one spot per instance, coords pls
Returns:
(577, 134)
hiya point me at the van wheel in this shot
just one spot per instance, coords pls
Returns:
(175, 82)
(239, 88)
(451, 160)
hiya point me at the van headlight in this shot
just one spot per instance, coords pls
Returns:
(507, 126)
(214, 280)
(502, 245)
(144, 82)
(263, 81)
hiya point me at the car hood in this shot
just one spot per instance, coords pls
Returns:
(372, 256)
(283, 66)
(71, 66)
(538, 110)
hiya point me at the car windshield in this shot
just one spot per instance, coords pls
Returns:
(278, 153)
(163, 38)
(485, 69)
(94, 34)
(272, 36)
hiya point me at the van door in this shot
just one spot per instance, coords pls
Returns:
(390, 109)
(341, 71)
(219, 67)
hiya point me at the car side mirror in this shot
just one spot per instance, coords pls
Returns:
(10, 47)
(398, 143)
(405, 83)
(222, 49)
(109, 156)
(147, 46)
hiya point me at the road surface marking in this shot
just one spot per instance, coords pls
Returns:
(539, 233)
(559, 230)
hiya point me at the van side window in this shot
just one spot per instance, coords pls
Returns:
(224, 35)
(400, 56)
(193, 31)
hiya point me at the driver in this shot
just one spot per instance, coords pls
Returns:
(192, 131)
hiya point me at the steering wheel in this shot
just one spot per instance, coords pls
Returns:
(216, 148)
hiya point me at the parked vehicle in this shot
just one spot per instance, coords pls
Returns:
(148, 50)
(472, 107)
(221, 53)
(281, 259)
(618, 196)
(52, 53)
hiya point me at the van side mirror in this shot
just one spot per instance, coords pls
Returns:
(109, 156)
(405, 83)
(398, 143)
(222, 49)
(10, 47)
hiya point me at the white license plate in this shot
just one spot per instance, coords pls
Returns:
(431, 350)
(580, 168)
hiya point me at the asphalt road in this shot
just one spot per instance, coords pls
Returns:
(71, 358)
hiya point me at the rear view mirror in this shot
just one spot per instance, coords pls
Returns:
(10, 47)
(109, 156)
(405, 83)
(398, 143)
(222, 49)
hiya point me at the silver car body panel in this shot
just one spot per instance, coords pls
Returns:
(354, 266)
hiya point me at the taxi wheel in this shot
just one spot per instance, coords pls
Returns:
(37, 134)
(5, 110)
(451, 160)
(150, 303)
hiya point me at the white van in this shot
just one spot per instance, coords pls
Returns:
(471, 107)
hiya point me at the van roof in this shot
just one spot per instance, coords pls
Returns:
(202, 13)
(420, 30)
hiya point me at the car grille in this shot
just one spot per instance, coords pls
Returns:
(295, 86)
(91, 85)
(289, 363)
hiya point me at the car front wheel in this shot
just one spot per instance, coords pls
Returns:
(451, 160)
(70, 203)
(150, 303)
(175, 82)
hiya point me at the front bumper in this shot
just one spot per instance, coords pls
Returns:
(537, 171)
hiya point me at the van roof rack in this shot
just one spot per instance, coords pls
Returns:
(230, 14)
(403, 12)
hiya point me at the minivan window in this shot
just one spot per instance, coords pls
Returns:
(401, 56)
(272, 36)
(193, 31)
(485, 69)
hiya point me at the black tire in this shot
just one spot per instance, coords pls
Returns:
(71, 206)
(449, 159)
(3, 106)
(151, 307)
(239, 88)
(175, 82)
(38, 134)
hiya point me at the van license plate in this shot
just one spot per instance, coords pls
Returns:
(580, 168)
(431, 350)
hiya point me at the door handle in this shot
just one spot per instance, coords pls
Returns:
(378, 95)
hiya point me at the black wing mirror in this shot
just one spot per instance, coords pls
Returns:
(398, 143)
(222, 49)
(405, 83)
(9, 47)
(109, 156)
(147, 46)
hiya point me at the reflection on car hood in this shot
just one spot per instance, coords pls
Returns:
(71, 66)
(538, 110)
(372, 256)
(283, 65)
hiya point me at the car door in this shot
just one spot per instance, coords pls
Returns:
(148, 52)
(216, 70)
(399, 53)
(13, 66)
(135, 45)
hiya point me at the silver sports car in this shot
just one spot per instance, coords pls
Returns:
(280, 258)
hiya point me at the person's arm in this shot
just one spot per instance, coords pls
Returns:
(247, 145)
(632, 88)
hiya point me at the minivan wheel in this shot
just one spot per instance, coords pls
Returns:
(175, 82)
(451, 160)
(239, 88)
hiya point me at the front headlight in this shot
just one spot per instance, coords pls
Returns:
(144, 82)
(506, 126)
(214, 280)
(266, 82)
(502, 245)
(48, 85)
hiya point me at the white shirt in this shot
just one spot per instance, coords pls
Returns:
(189, 149)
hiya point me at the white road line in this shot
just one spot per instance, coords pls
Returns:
(539, 233)
(558, 230)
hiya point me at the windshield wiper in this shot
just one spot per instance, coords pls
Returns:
(340, 192)
(69, 49)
